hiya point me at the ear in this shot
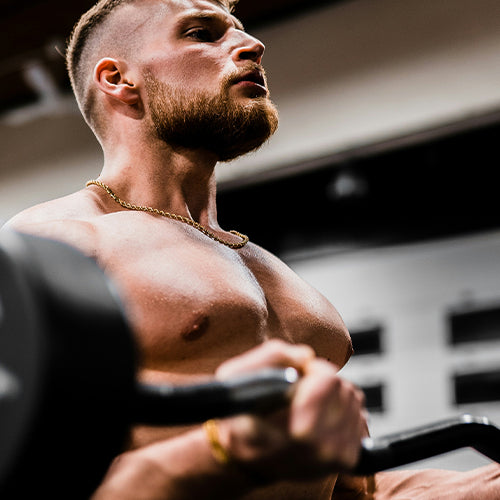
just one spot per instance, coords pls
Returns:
(110, 76)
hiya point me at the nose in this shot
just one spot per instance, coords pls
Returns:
(249, 49)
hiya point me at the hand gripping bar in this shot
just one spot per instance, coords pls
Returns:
(270, 390)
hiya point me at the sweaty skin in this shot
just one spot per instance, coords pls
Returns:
(193, 302)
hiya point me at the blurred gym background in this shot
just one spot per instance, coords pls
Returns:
(379, 188)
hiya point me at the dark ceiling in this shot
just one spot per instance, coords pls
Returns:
(33, 31)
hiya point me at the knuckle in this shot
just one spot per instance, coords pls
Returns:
(274, 345)
(361, 397)
(274, 350)
(355, 394)
(306, 348)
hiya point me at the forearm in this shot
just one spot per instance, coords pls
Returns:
(478, 484)
(317, 434)
(181, 468)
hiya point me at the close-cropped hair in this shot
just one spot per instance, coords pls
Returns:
(83, 36)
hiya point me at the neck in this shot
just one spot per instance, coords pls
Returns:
(181, 182)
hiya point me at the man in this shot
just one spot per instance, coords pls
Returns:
(171, 87)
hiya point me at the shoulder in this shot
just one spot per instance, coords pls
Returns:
(302, 304)
(258, 257)
(69, 219)
(270, 266)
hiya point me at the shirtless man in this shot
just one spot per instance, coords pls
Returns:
(171, 87)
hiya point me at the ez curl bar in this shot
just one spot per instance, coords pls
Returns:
(69, 394)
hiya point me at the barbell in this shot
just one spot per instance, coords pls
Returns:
(69, 392)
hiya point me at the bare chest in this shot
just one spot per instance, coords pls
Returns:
(194, 304)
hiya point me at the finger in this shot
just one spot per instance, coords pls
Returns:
(328, 413)
(273, 353)
(317, 393)
(248, 439)
(341, 444)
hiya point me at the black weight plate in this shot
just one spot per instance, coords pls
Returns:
(22, 362)
(75, 360)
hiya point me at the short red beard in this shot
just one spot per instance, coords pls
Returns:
(212, 123)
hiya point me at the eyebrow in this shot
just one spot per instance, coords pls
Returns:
(211, 16)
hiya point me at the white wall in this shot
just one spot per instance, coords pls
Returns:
(410, 290)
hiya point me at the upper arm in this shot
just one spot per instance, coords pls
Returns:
(79, 234)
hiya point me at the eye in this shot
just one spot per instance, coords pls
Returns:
(200, 34)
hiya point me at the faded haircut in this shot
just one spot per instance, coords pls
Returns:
(82, 43)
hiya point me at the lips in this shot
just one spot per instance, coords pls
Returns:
(252, 77)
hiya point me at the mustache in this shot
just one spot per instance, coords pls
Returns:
(236, 75)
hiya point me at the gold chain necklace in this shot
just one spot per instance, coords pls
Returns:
(180, 218)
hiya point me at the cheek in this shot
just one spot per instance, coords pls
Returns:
(200, 71)
(193, 70)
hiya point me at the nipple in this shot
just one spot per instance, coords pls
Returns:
(196, 329)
